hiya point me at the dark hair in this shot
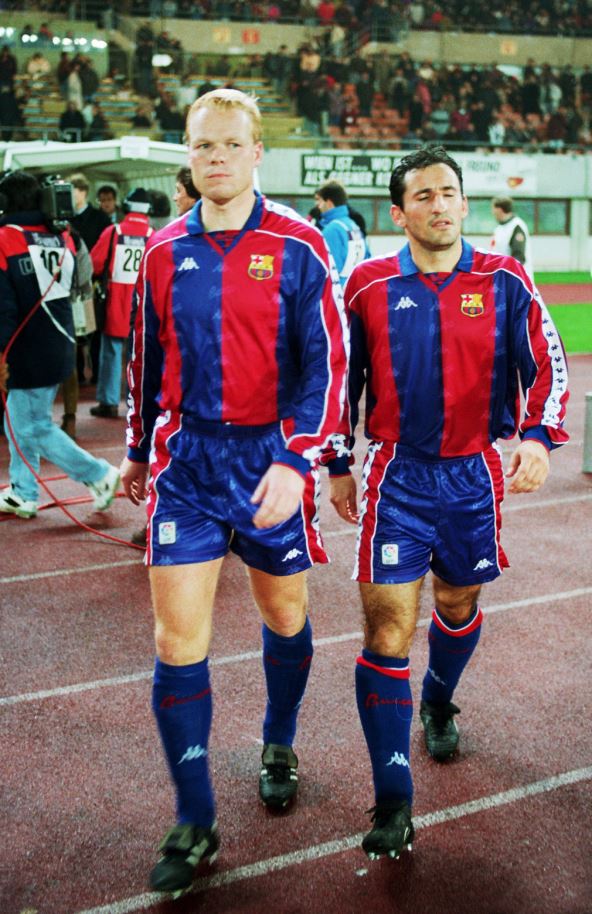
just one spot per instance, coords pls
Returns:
(107, 189)
(357, 217)
(19, 191)
(504, 203)
(184, 178)
(161, 205)
(421, 158)
(333, 191)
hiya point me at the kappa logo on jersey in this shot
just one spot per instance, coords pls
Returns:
(472, 305)
(482, 564)
(405, 302)
(261, 266)
(189, 264)
(292, 554)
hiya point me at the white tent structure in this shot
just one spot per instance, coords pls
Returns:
(125, 162)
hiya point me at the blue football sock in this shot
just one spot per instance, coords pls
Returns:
(385, 707)
(182, 705)
(286, 662)
(451, 648)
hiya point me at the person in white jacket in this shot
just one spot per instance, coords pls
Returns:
(511, 235)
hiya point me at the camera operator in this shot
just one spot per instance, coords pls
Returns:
(37, 265)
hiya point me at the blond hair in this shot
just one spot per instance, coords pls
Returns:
(231, 100)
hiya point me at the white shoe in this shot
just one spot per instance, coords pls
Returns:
(105, 489)
(11, 503)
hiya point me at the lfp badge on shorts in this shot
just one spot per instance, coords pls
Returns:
(472, 305)
(390, 554)
(167, 533)
(261, 266)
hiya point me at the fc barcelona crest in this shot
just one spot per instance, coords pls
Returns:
(472, 305)
(261, 266)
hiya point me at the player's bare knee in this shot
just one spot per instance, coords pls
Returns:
(456, 604)
(389, 637)
(179, 647)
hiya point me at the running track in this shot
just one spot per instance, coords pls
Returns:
(502, 829)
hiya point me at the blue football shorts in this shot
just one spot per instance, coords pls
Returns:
(202, 477)
(417, 514)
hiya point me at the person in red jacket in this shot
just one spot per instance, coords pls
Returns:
(116, 261)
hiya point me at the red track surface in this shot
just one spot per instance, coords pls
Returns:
(566, 293)
(503, 829)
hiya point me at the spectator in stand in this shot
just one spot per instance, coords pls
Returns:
(89, 79)
(204, 87)
(72, 124)
(172, 122)
(143, 115)
(8, 67)
(38, 66)
(45, 34)
(62, 72)
(74, 86)
(98, 128)
(186, 94)
(325, 12)
(556, 129)
(586, 88)
(365, 91)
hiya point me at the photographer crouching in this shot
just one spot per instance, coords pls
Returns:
(37, 272)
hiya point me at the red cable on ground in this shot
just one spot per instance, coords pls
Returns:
(56, 501)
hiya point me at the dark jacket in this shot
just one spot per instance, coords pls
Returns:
(90, 223)
(43, 353)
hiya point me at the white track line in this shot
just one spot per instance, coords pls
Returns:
(318, 851)
(330, 534)
(256, 655)
(39, 575)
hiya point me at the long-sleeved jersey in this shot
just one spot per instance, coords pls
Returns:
(246, 328)
(124, 245)
(442, 356)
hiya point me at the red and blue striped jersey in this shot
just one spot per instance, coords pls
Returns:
(246, 329)
(443, 355)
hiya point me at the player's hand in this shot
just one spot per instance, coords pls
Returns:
(529, 467)
(343, 497)
(4, 373)
(133, 479)
(279, 494)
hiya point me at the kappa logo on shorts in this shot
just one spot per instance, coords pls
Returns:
(390, 554)
(482, 564)
(167, 533)
(292, 554)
